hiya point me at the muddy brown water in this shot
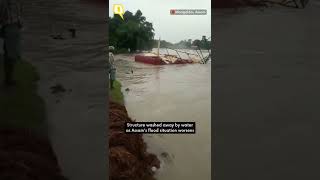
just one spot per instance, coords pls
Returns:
(172, 93)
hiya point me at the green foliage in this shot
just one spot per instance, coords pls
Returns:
(134, 32)
(202, 44)
(116, 94)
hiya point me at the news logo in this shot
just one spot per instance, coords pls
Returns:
(118, 9)
(172, 11)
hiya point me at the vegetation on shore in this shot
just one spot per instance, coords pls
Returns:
(20, 106)
(128, 156)
(116, 93)
(204, 43)
(25, 149)
(134, 32)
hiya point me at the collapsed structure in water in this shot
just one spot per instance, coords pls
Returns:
(166, 59)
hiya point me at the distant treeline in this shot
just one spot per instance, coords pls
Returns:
(134, 32)
(185, 44)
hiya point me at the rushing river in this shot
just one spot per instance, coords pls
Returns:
(172, 93)
(77, 118)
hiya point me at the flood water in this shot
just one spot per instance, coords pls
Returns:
(172, 93)
(77, 118)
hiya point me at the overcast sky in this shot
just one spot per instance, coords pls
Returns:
(172, 28)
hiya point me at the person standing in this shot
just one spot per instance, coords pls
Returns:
(10, 32)
(111, 67)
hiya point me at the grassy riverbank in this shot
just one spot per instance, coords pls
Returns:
(21, 106)
(23, 134)
(116, 94)
(128, 156)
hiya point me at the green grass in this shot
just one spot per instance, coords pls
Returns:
(116, 94)
(20, 106)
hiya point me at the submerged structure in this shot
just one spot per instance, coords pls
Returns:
(150, 58)
(166, 59)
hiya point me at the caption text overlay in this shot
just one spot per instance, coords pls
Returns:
(161, 127)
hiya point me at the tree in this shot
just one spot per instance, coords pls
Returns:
(196, 42)
(133, 32)
(202, 44)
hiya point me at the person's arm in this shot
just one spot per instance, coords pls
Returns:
(108, 63)
(112, 59)
(113, 67)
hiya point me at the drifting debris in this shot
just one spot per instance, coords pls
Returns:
(57, 36)
(167, 157)
(58, 88)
